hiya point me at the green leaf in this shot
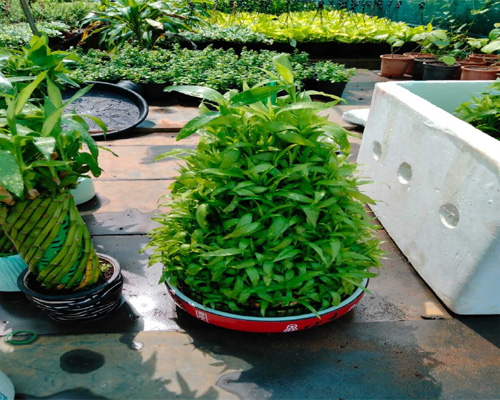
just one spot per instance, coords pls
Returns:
(5, 85)
(284, 67)
(491, 47)
(54, 93)
(199, 92)
(197, 123)
(361, 197)
(254, 95)
(46, 145)
(253, 274)
(223, 252)
(278, 227)
(244, 230)
(10, 174)
(318, 250)
(201, 215)
(25, 94)
(312, 215)
(295, 196)
(295, 138)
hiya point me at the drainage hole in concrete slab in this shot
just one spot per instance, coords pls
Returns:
(404, 173)
(377, 150)
(449, 215)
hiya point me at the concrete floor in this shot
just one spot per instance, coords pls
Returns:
(400, 342)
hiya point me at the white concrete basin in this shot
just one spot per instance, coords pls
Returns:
(437, 180)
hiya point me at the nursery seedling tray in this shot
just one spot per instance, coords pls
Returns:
(119, 108)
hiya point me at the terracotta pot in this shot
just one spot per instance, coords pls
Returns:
(394, 65)
(439, 71)
(481, 56)
(480, 73)
(488, 58)
(411, 66)
(468, 63)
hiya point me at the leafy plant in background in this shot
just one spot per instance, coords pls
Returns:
(494, 41)
(233, 34)
(324, 26)
(327, 71)
(41, 159)
(483, 112)
(70, 13)
(16, 35)
(265, 213)
(144, 22)
(215, 68)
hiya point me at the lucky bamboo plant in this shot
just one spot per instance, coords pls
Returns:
(41, 159)
(266, 212)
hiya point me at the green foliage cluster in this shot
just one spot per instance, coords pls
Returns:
(232, 34)
(144, 22)
(70, 13)
(44, 149)
(266, 212)
(275, 7)
(483, 112)
(40, 141)
(324, 26)
(19, 34)
(215, 68)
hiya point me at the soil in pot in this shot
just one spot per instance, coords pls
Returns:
(79, 306)
(394, 65)
(480, 73)
(438, 71)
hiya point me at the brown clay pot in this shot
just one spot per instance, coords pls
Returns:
(480, 73)
(488, 58)
(467, 63)
(414, 55)
(394, 65)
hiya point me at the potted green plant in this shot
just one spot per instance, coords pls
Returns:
(41, 159)
(394, 65)
(267, 230)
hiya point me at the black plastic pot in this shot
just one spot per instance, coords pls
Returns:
(135, 87)
(155, 92)
(437, 71)
(335, 88)
(80, 306)
(418, 67)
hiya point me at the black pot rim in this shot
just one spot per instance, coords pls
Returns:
(21, 283)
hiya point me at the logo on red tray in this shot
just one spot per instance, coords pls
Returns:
(201, 316)
(291, 328)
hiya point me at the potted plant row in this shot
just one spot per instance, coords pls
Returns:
(42, 156)
(267, 230)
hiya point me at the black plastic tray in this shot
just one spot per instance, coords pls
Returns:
(119, 108)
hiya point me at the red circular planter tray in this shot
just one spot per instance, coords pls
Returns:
(261, 324)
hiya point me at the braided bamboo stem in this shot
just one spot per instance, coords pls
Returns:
(33, 225)
(6, 246)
